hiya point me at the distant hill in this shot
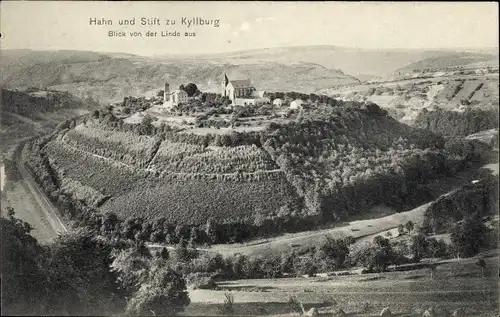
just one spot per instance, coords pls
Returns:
(352, 61)
(451, 61)
(111, 77)
(28, 113)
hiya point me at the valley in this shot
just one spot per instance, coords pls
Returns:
(356, 195)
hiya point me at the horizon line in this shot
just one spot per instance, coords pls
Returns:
(456, 49)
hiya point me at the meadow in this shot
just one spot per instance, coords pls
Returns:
(406, 293)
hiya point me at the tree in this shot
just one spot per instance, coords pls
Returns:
(211, 231)
(482, 264)
(110, 223)
(163, 254)
(419, 246)
(333, 252)
(469, 237)
(22, 280)
(409, 226)
(163, 293)
(146, 126)
(196, 237)
(401, 229)
(181, 251)
(375, 256)
(77, 267)
(132, 268)
(191, 89)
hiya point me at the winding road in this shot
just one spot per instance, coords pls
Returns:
(31, 205)
(48, 208)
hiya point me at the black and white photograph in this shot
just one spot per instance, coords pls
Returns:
(249, 158)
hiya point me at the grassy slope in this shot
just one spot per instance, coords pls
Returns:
(402, 292)
(357, 229)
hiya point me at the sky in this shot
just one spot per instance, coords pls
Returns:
(48, 25)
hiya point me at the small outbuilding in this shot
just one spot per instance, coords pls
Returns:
(296, 104)
(278, 102)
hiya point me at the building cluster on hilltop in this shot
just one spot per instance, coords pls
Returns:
(239, 90)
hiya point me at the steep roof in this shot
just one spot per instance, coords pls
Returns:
(234, 74)
(241, 83)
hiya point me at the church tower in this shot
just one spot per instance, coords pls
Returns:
(224, 83)
(166, 92)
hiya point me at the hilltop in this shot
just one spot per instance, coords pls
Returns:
(454, 90)
(322, 164)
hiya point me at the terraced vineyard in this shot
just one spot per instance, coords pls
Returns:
(194, 201)
(185, 158)
(189, 194)
(121, 146)
(105, 176)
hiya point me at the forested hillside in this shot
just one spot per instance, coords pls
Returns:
(454, 123)
(350, 159)
(329, 164)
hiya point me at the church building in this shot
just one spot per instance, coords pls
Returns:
(241, 91)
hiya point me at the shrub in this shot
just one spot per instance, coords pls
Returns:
(295, 305)
(227, 308)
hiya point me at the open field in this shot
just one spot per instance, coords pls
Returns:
(455, 285)
(357, 229)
